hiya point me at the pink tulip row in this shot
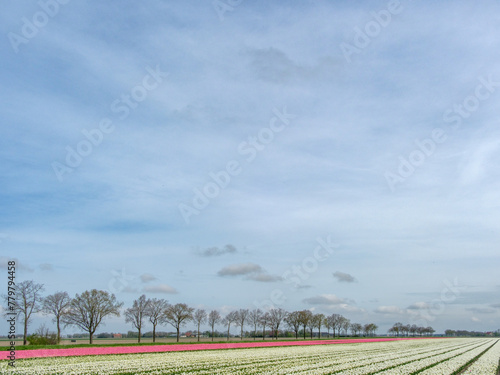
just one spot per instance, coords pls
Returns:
(174, 348)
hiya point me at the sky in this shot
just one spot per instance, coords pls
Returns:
(341, 157)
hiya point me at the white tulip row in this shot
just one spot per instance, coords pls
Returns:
(487, 363)
(449, 366)
(396, 357)
(444, 363)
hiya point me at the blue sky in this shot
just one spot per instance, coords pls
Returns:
(198, 154)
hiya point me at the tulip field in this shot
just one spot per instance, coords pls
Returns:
(421, 356)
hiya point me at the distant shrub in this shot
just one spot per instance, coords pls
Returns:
(36, 339)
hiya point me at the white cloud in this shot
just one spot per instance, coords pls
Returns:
(46, 267)
(325, 299)
(419, 306)
(391, 310)
(252, 271)
(239, 269)
(481, 310)
(20, 264)
(217, 251)
(344, 277)
(147, 277)
(161, 289)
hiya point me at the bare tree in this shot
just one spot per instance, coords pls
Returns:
(397, 328)
(356, 328)
(56, 304)
(155, 311)
(311, 324)
(27, 299)
(329, 325)
(89, 309)
(318, 320)
(345, 324)
(413, 329)
(430, 330)
(293, 321)
(265, 319)
(42, 331)
(304, 318)
(366, 330)
(232, 317)
(137, 313)
(277, 316)
(213, 318)
(333, 321)
(200, 317)
(406, 329)
(371, 328)
(255, 316)
(177, 315)
(241, 318)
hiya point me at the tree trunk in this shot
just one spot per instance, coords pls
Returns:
(154, 332)
(178, 334)
(212, 333)
(91, 338)
(304, 332)
(139, 337)
(242, 332)
(264, 333)
(228, 326)
(198, 334)
(58, 331)
(25, 337)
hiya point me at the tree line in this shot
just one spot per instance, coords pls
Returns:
(406, 330)
(464, 333)
(88, 310)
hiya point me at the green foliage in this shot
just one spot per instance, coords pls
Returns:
(36, 339)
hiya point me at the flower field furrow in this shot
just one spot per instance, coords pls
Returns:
(419, 366)
(339, 361)
(200, 365)
(353, 358)
(487, 364)
(369, 366)
(453, 364)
